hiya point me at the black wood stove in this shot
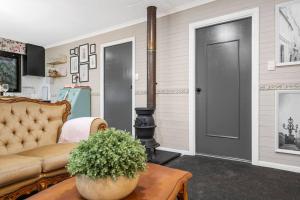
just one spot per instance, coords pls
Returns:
(144, 123)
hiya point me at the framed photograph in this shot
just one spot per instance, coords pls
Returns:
(72, 51)
(76, 51)
(74, 78)
(84, 53)
(92, 48)
(93, 61)
(287, 121)
(84, 72)
(74, 64)
(288, 33)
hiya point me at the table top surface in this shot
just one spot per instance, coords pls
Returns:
(157, 183)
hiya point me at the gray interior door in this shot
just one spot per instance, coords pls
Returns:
(223, 89)
(117, 86)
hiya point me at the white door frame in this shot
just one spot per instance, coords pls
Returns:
(254, 14)
(131, 39)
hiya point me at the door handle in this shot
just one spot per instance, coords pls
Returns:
(198, 90)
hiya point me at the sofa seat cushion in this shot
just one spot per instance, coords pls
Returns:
(15, 168)
(53, 157)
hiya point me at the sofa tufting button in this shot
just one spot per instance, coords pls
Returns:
(22, 142)
(41, 111)
(12, 112)
(13, 132)
(20, 121)
(37, 139)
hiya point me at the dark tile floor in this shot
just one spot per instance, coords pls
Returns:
(217, 179)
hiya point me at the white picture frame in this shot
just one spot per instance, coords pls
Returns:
(74, 65)
(287, 106)
(84, 53)
(93, 61)
(287, 27)
(84, 72)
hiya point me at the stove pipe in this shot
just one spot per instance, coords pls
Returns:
(144, 123)
(151, 57)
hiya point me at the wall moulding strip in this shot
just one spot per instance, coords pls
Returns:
(279, 86)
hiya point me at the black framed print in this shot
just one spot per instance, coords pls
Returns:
(287, 33)
(92, 48)
(84, 72)
(72, 51)
(76, 51)
(74, 78)
(74, 64)
(84, 53)
(93, 61)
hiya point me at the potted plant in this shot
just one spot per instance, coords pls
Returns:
(107, 165)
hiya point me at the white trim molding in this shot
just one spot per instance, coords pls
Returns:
(254, 14)
(131, 39)
(278, 166)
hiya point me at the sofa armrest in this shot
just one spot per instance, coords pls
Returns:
(75, 130)
(97, 125)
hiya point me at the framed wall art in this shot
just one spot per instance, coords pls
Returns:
(288, 33)
(84, 72)
(84, 53)
(76, 51)
(74, 78)
(93, 61)
(72, 51)
(92, 48)
(74, 64)
(287, 133)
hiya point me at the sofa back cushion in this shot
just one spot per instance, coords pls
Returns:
(26, 124)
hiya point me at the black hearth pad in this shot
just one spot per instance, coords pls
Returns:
(163, 157)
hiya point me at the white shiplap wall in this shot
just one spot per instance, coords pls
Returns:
(172, 72)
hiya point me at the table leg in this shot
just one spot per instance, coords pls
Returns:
(183, 194)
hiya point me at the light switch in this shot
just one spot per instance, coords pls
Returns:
(271, 65)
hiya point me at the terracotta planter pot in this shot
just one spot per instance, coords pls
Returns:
(105, 189)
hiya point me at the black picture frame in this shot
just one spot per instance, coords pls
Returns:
(18, 58)
(76, 51)
(74, 78)
(84, 53)
(93, 65)
(71, 62)
(84, 71)
(92, 48)
(72, 51)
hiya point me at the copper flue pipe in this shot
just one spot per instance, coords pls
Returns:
(151, 57)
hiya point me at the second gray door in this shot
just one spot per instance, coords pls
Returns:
(223, 89)
(117, 86)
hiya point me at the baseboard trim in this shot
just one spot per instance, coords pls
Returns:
(289, 168)
(183, 152)
(273, 165)
(224, 157)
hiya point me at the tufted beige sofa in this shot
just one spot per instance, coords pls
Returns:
(30, 158)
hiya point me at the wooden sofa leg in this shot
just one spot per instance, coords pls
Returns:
(183, 194)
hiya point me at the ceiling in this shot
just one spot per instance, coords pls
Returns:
(53, 22)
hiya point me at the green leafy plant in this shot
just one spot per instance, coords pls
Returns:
(110, 153)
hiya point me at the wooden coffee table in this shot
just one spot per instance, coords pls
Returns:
(157, 183)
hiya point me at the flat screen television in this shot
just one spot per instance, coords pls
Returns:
(10, 70)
